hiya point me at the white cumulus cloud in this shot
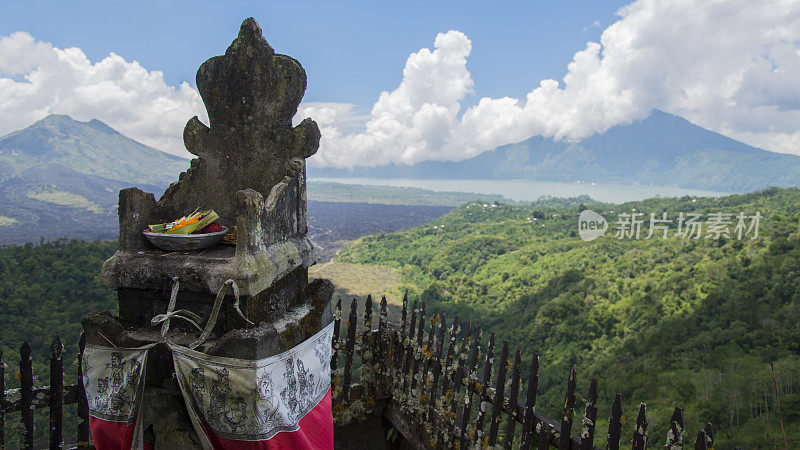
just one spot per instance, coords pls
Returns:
(412, 123)
(730, 66)
(37, 79)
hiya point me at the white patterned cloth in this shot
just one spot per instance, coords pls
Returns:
(230, 401)
(113, 379)
(252, 400)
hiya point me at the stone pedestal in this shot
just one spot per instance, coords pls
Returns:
(250, 168)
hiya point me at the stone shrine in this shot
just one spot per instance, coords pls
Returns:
(250, 169)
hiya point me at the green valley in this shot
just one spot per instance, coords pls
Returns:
(670, 322)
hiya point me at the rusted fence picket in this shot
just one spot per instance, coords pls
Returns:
(28, 398)
(568, 413)
(640, 433)
(458, 377)
(83, 405)
(382, 346)
(437, 366)
(700, 442)
(398, 353)
(367, 350)
(349, 348)
(2, 401)
(421, 362)
(409, 349)
(337, 323)
(500, 385)
(512, 399)
(417, 353)
(708, 430)
(675, 433)
(484, 394)
(446, 408)
(427, 357)
(529, 423)
(615, 424)
(471, 388)
(56, 393)
(589, 418)
(26, 395)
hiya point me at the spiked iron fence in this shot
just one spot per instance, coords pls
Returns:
(435, 382)
(27, 398)
(441, 388)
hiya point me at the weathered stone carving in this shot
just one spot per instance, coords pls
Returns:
(251, 94)
(250, 168)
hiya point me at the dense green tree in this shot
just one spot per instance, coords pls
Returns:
(44, 291)
(675, 321)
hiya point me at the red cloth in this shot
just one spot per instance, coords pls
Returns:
(315, 432)
(108, 435)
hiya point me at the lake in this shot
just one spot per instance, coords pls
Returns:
(533, 190)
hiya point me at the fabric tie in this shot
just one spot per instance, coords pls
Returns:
(185, 314)
(281, 401)
(194, 319)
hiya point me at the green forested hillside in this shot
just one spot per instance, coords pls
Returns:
(669, 322)
(45, 290)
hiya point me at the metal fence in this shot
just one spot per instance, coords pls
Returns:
(27, 398)
(442, 388)
(435, 382)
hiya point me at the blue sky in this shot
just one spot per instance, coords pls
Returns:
(406, 82)
(351, 50)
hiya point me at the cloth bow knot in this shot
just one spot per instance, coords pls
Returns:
(194, 319)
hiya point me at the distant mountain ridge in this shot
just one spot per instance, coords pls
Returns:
(61, 177)
(90, 148)
(662, 149)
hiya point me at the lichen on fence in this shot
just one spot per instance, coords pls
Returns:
(422, 374)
